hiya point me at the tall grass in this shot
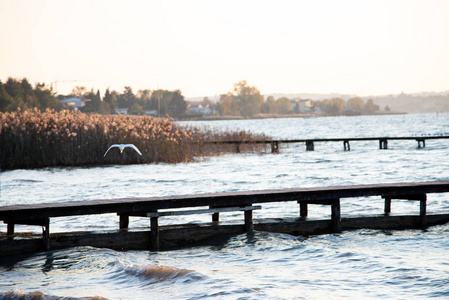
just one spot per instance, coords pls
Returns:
(33, 139)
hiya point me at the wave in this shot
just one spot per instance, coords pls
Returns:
(22, 295)
(156, 273)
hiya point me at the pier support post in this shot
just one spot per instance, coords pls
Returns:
(10, 229)
(335, 223)
(383, 144)
(336, 215)
(421, 143)
(154, 233)
(215, 216)
(422, 198)
(303, 210)
(310, 146)
(275, 147)
(249, 225)
(124, 221)
(346, 146)
(46, 234)
(44, 222)
(423, 210)
(387, 206)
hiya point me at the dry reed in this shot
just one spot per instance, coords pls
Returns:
(34, 139)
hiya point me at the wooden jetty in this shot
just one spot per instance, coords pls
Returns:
(156, 236)
(310, 143)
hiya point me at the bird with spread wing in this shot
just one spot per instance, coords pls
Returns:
(122, 147)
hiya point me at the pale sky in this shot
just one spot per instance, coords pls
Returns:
(203, 47)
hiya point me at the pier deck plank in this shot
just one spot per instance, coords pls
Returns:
(135, 205)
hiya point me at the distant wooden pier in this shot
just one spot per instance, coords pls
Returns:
(310, 143)
(154, 208)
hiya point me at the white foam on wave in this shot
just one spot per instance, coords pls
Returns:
(23, 295)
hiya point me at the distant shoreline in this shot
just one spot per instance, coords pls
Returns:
(278, 116)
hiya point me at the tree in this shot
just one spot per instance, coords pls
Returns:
(127, 98)
(177, 105)
(166, 102)
(109, 102)
(79, 91)
(271, 107)
(284, 105)
(159, 101)
(15, 94)
(144, 98)
(227, 105)
(135, 109)
(6, 101)
(370, 107)
(249, 99)
(354, 106)
(46, 97)
(333, 107)
(93, 102)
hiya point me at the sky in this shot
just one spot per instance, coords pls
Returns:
(204, 47)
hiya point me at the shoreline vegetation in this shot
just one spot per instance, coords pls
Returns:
(242, 102)
(35, 139)
(281, 116)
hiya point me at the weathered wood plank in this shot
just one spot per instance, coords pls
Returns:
(201, 211)
(173, 236)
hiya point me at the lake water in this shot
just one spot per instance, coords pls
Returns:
(363, 264)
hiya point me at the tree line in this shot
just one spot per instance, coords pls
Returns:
(18, 94)
(247, 101)
(243, 100)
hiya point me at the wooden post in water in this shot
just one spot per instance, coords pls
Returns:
(309, 145)
(346, 145)
(124, 221)
(303, 209)
(10, 229)
(249, 225)
(154, 233)
(215, 216)
(423, 210)
(46, 233)
(421, 143)
(336, 216)
(275, 147)
(383, 144)
(387, 206)
(422, 198)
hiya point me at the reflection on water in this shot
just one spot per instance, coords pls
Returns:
(363, 264)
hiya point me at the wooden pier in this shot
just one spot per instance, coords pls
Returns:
(154, 208)
(310, 143)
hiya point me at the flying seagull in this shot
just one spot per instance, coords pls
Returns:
(122, 147)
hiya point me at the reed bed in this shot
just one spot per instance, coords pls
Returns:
(35, 139)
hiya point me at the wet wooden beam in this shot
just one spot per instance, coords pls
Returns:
(190, 234)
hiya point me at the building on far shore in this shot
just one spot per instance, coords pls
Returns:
(301, 106)
(73, 102)
(203, 108)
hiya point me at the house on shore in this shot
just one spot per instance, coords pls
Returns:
(73, 102)
(203, 109)
(301, 106)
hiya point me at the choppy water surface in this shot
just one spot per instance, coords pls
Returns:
(359, 264)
